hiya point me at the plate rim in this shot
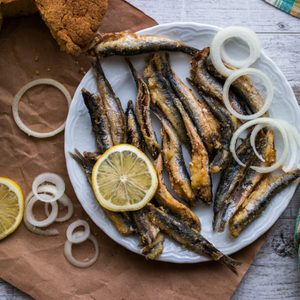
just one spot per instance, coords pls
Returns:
(120, 239)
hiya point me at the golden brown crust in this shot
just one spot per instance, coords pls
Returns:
(73, 23)
(12, 8)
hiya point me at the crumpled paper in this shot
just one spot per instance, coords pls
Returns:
(36, 264)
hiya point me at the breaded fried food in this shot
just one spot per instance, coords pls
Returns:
(73, 23)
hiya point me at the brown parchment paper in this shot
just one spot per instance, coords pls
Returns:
(36, 264)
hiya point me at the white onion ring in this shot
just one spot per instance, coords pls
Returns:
(80, 236)
(48, 190)
(22, 91)
(34, 229)
(236, 75)
(294, 141)
(244, 34)
(81, 264)
(55, 179)
(269, 121)
(253, 135)
(65, 201)
(32, 220)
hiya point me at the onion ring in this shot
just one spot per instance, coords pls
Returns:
(264, 121)
(22, 91)
(81, 264)
(65, 201)
(216, 53)
(294, 141)
(34, 229)
(80, 236)
(53, 178)
(48, 190)
(268, 85)
(30, 217)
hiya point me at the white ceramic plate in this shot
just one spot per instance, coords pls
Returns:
(78, 134)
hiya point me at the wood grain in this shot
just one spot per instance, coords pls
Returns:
(255, 14)
(273, 274)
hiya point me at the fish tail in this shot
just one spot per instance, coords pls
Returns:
(82, 161)
(230, 263)
(100, 74)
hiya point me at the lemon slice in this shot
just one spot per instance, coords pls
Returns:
(124, 179)
(11, 206)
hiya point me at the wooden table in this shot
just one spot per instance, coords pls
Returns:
(273, 274)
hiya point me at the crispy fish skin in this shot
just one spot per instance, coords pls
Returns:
(250, 180)
(143, 101)
(150, 237)
(92, 157)
(120, 220)
(153, 250)
(174, 163)
(209, 84)
(189, 238)
(134, 135)
(99, 120)
(126, 44)
(162, 95)
(227, 126)
(112, 105)
(199, 164)
(230, 179)
(206, 124)
(164, 198)
(259, 199)
(243, 88)
(147, 231)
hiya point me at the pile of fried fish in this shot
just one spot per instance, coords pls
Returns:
(199, 121)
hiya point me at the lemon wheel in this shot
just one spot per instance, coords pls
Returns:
(124, 179)
(11, 206)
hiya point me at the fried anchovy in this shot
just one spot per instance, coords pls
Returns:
(230, 179)
(124, 43)
(189, 238)
(206, 124)
(250, 180)
(150, 237)
(259, 199)
(209, 84)
(243, 88)
(199, 164)
(120, 220)
(165, 199)
(99, 120)
(143, 100)
(112, 105)
(174, 163)
(162, 95)
(210, 91)
(227, 126)
(134, 135)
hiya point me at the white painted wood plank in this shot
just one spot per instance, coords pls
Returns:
(256, 14)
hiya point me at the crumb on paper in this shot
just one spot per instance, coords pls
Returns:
(37, 72)
(76, 62)
(48, 69)
(81, 71)
(36, 59)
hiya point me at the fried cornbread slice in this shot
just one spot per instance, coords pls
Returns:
(73, 23)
